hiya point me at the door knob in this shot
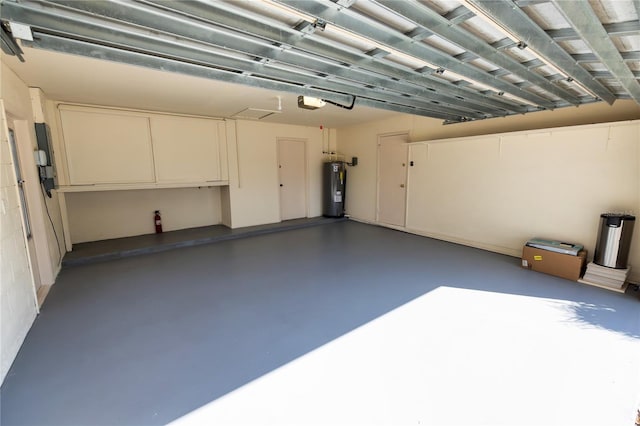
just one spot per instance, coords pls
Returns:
(402, 185)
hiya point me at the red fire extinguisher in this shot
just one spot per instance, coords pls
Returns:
(158, 222)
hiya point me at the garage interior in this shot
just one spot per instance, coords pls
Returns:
(466, 127)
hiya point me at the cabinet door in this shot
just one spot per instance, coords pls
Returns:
(185, 149)
(105, 146)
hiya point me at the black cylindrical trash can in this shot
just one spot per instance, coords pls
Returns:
(614, 240)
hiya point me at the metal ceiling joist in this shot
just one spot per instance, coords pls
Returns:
(85, 27)
(459, 15)
(592, 57)
(615, 29)
(208, 34)
(373, 30)
(586, 23)
(503, 44)
(608, 75)
(427, 18)
(59, 44)
(401, 56)
(512, 17)
(230, 16)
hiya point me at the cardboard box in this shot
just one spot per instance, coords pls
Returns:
(558, 264)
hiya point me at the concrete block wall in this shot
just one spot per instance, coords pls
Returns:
(18, 305)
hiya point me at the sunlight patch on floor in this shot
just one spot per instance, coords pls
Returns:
(451, 357)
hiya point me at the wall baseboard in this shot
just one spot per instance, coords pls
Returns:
(42, 293)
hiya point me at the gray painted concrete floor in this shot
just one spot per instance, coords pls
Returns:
(97, 251)
(339, 324)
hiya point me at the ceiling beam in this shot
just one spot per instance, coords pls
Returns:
(385, 89)
(521, 25)
(358, 24)
(78, 47)
(586, 23)
(615, 29)
(459, 15)
(608, 75)
(592, 57)
(432, 21)
(230, 16)
(87, 28)
(523, 3)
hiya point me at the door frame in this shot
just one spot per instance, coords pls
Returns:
(305, 172)
(406, 177)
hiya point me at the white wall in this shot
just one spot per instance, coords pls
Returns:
(17, 290)
(104, 215)
(17, 293)
(495, 192)
(361, 141)
(253, 170)
(18, 106)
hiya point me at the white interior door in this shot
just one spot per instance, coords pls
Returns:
(292, 175)
(392, 179)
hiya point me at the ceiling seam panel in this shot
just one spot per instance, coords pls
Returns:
(59, 24)
(512, 17)
(429, 19)
(228, 15)
(358, 24)
(286, 56)
(586, 23)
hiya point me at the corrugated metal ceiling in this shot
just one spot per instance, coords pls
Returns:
(454, 60)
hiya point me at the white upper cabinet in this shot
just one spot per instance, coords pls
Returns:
(116, 149)
(185, 149)
(106, 147)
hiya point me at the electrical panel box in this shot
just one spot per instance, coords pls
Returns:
(45, 155)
